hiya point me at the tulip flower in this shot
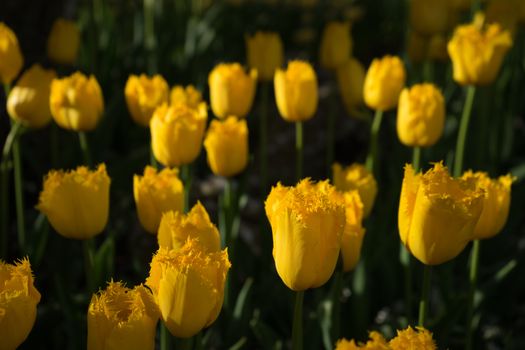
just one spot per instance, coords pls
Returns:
(176, 228)
(28, 101)
(376, 342)
(356, 177)
(188, 95)
(76, 203)
(384, 81)
(143, 95)
(11, 59)
(420, 339)
(63, 42)
(18, 301)
(156, 193)
(122, 318)
(188, 286)
(354, 232)
(336, 45)
(429, 17)
(232, 90)
(76, 102)
(264, 51)
(177, 132)
(351, 78)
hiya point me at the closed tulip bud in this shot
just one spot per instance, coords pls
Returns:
(18, 301)
(420, 115)
(76, 102)
(383, 83)
(76, 203)
(307, 222)
(156, 193)
(429, 17)
(336, 45)
(356, 177)
(176, 228)
(28, 101)
(420, 339)
(376, 342)
(296, 91)
(122, 318)
(63, 42)
(226, 145)
(177, 132)
(477, 52)
(350, 79)
(231, 90)
(437, 214)
(143, 95)
(188, 95)
(264, 54)
(188, 286)
(496, 202)
(354, 232)
(11, 59)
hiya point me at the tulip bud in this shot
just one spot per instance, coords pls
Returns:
(383, 83)
(156, 193)
(477, 53)
(76, 102)
(188, 286)
(264, 52)
(354, 232)
(122, 318)
(11, 59)
(437, 214)
(409, 338)
(429, 17)
(28, 101)
(232, 90)
(420, 115)
(188, 95)
(296, 91)
(176, 228)
(63, 42)
(307, 222)
(76, 203)
(336, 45)
(143, 95)
(226, 144)
(350, 79)
(356, 177)
(177, 132)
(18, 301)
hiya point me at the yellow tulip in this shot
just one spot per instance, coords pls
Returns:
(188, 95)
(477, 52)
(420, 339)
(496, 202)
(76, 102)
(383, 83)
(307, 222)
(28, 101)
(18, 301)
(143, 95)
(296, 91)
(336, 45)
(429, 17)
(350, 79)
(176, 228)
(356, 177)
(188, 286)
(122, 318)
(177, 132)
(63, 42)
(376, 342)
(265, 54)
(76, 203)
(420, 115)
(156, 193)
(354, 232)
(11, 59)
(437, 214)
(226, 145)
(232, 90)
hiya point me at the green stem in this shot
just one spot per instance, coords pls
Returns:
(19, 196)
(404, 257)
(184, 343)
(297, 330)
(227, 216)
(371, 158)
(473, 278)
(462, 133)
(187, 179)
(416, 159)
(89, 264)
(263, 137)
(84, 146)
(299, 150)
(423, 304)
(336, 302)
(165, 337)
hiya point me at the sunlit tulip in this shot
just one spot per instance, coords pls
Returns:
(63, 42)
(188, 95)
(350, 79)
(264, 51)
(28, 101)
(122, 318)
(429, 17)
(384, 81)
(143, 95)
(11, 59)
(336, 44)
(419, 338)
(376, 342)
(356, 177)
(354, 232)
(76, 202)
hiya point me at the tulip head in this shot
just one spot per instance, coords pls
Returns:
(336, 44)
(28, 101)
(232, 90)
(76, 203)
(354, 232)
(226, 145)
(264, 54)
(188, 95)
(63, 42)
(177, 132)
(419, 338)
(420, 115)
(383, 83)
(76, 102)
(376, 342)
(296, 91)
(429, 17)
(356, 177)
(143, 95)
(11, 59)
(156, 193)
(350, 80)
